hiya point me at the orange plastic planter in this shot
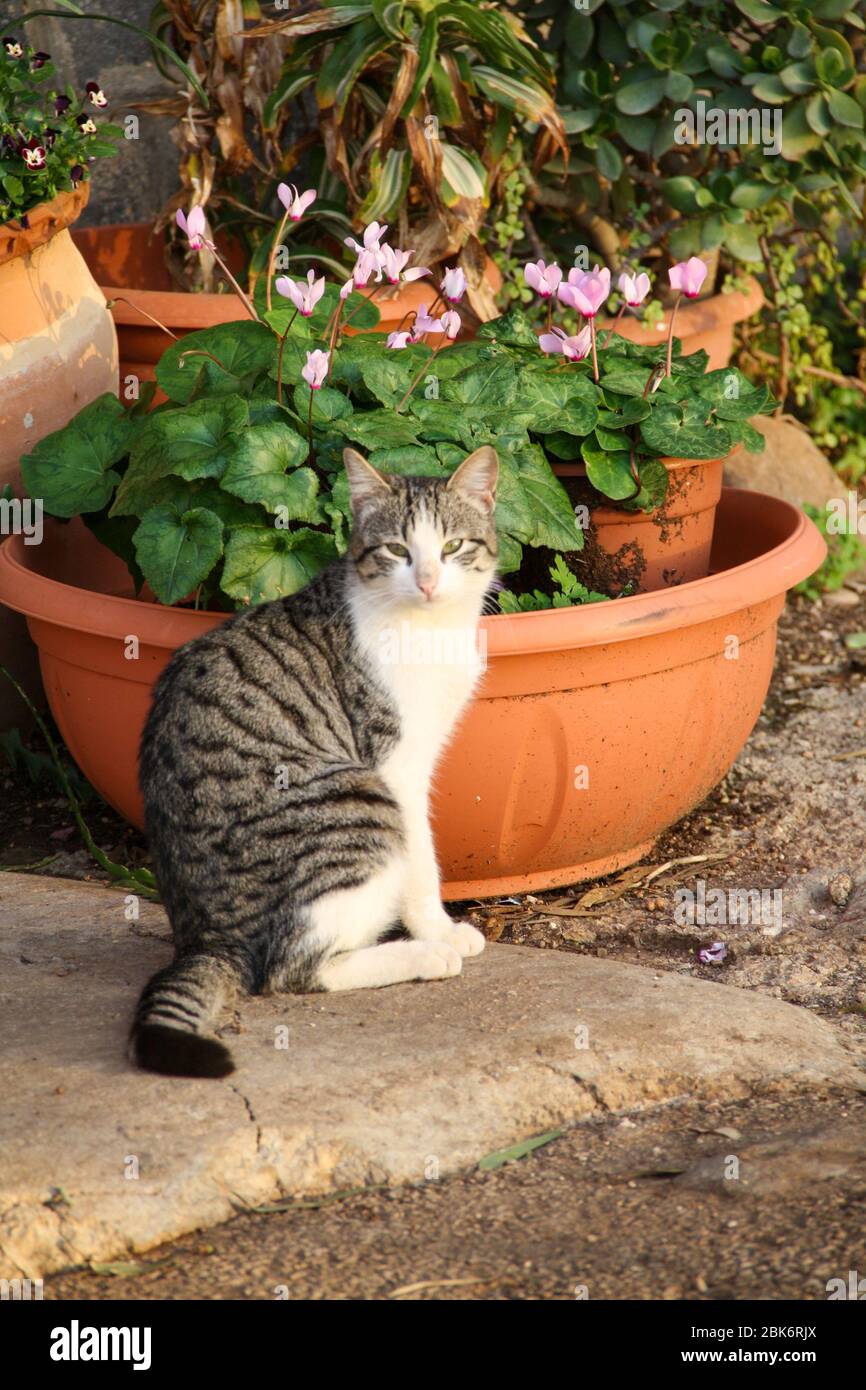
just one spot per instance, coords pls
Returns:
(594, 728)
(658, 549)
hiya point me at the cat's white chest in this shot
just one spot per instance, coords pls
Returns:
(430, 672)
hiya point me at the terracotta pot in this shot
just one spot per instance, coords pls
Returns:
(128, 261)
(58, 349)
(649, 550)
(594, 728)
(58, 352)
(705, 323)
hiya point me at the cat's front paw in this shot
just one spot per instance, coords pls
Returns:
(435, 960)
(465, 938)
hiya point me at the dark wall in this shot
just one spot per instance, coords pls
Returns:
(135, 184)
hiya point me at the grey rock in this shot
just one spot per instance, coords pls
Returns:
(791, 466)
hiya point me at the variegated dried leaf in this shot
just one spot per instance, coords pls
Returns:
(479, 292)
(229, 30)
(399, 92)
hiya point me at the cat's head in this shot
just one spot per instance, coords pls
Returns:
(424, 541)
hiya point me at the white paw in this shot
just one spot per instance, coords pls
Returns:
(435, 960)
(462, 936)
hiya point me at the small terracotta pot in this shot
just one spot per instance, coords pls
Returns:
(649, 550)
(704, 323)
(58, 352)
(594, 728)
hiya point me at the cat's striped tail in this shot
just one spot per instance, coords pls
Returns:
(175, 1006)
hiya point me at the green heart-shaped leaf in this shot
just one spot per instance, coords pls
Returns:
(217, 361)
(71, 469)
(261, 565)
(176, 551)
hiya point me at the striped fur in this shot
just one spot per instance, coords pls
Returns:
(288, 841)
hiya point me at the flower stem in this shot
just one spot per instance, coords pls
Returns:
(424, 365)
(273, 256)
(280, 358)
(203, 352)
(671, 337)
(333, 338)
(374, 291)
(121, 299)
(280, 367)
(613, 326)
(244, 298)
(594, 353)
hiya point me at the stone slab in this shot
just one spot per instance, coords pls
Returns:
(386, 1086)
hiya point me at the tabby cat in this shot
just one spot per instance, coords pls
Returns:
(286, 766)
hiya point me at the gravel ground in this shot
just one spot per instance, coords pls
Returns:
(635, 1208)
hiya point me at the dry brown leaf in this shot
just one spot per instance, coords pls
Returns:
(605, 893)
(479, 292)
(400, 91)
(229, 30)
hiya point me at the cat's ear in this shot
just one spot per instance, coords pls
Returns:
(367, 485)
(476, 478)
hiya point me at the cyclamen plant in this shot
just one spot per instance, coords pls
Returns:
(233, 490)
(48, 138)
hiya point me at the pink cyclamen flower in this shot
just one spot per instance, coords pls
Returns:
(586, 290)
(398, 340)
(634, 288)
(347, 288)
(295, 203)
(194, 226)
(372, 236)
(451, 323)
(316, 369)
(715, 954)
(393, 263)
(453, 285)
(424, 324)
(367, 264)
(544, 279)
(305, 297)
(575, 349)
(688, 276)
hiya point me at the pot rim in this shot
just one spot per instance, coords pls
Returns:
(564, 468)
(44, 222)
(179, 308)
(765, 576)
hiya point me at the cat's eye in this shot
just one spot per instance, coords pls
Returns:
(451, 547)
(399, 550)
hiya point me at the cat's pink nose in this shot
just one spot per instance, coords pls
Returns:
(428, 587)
